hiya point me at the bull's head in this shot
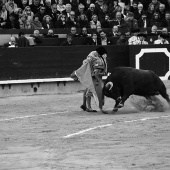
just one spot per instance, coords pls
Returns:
(109, 85)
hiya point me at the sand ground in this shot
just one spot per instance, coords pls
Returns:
(35, 136)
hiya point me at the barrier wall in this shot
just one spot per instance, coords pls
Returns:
(52, 62)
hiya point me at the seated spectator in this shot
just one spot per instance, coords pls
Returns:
(83, 21)
(113, 13)
(162, 39)
(115, 32)
(10, 6)
(73, 31)
(92, 40)
(48, 6)
(80, 10)
(153, 31)
(134, 7)
(50, 34)
(67, 11)
(106, 23)
(68, 41)
(72, 21)
(18, 13)
(166, 20)
(22, 21)
(23, 4)
(133, 36)
(84, 33)
(11, 44)
(144, 22)
(161, 10)
(12, 23)
(37, 37)
(156, 4)
(4, 14)
(150, 11)
(90, 12)
(60, 7)
(156, 20)
(27, 11)
(131, 22)
(165, 31)
(94, 23)
(41, 13)
(138, 13)
(54, 13)
(61, 22)
(112, 6)
(102, 13)
(36, 24)
(141, 39)
(22, 41)
(28, 25)
(98, 30)
(103, 40)
(47, 22)
(35, 6)
(118, 21)
(122, 40)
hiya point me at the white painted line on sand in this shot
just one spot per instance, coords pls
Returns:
(107, 125)
(31, 116)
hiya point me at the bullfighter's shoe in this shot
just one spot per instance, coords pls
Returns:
(83, 107)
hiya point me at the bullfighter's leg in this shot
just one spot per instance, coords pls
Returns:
(88, 99)
(83, 106)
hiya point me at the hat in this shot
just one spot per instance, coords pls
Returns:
(164, 35)
(142, 35)
(92, 5)
(101, 50)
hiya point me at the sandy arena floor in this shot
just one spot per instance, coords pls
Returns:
(51, 132)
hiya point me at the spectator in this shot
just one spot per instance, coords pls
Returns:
(141, 39)
(48, 7)
(144, 22)
(4, 14)
(90, 12)
(68, 41)
(10, 6)
(80, 10)
(84, 33)
(138, 13)
(22, 40)
(60, 7)
(112, 6)
(94, 23)
(51, 34)
(156, 20)
(73, 31)
(119, 21)
(61, 22)
(11, 44)
(166, 20)
(113, 13)
(134, 7)
(71, 20)
(162, 39)
(54, 13)
(115, 32)
(161, 10)
(99, 6)
(36, 24)
(103, 12)
(106, 23)
(133, 36)
(156, 4)
(92, 40)
(167, 5)
(18, 13)
(37, 37)
(28, 25)
(47, 22)
(73, 3)
(22, 21)
(35, 6)
(27, 11)
(122, 40)
(83, 21)
(131, 22)
(153, 31)
(103, 40)
(11, 23)
(23, 4)
(68, 11)
(165, 31)
(41, 13)
(150, 11)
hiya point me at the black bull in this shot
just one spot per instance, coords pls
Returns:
(125, 81)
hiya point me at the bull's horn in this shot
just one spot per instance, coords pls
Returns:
(109, 84)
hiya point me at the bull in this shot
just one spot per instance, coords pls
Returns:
(126, 81)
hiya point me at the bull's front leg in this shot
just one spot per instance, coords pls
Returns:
(117, 104)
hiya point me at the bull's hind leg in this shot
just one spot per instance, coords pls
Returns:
(164, 94)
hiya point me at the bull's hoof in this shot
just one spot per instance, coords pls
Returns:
(115, 109)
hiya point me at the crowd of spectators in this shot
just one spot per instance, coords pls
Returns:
(93, 14)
